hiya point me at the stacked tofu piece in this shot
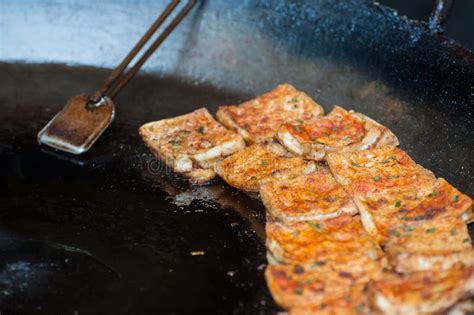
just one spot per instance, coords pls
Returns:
(354, 225)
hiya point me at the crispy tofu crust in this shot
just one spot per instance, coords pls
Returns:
(191, 144)
(314, 196)
(430, 292)
(377, 171)
(341, 238)
(258, 120)
(438, 201)
(249, 167)
(340, 130)
(429, 245)
(320, 284)
(336, 308)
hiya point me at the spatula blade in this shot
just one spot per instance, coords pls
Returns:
(77, 126)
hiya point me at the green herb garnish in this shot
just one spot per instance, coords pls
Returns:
(453, 232)
(253, 177)
(398, 203)
(298, 291)
(359, 308)
(394, 233)
(430, 230)
(318, 264)
(377, 178)
(315, 226)
(200, 129)
(456, 198)
(433, 194)
(355, 164)
(264, 162)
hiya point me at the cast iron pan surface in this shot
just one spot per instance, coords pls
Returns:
(110, 233)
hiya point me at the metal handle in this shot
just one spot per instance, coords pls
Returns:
(439, 15)
(118, 79)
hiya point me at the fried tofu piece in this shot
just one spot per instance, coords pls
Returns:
(319, 284)
(438, 201)
(353, 303)
(314, 196)
(429, 245)
(258, 120)
(340, 130)
(430, 292)
(336, 308)
(340, 238)
(390, 189)
(247, 168)
(191, 144)
(377, 171)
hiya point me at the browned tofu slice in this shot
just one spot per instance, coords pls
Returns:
(429, 245)
(430, 292)
(191, 144)
(377, 171)
(435, 202)
(340, 130)
(336, 308)
(353, 303)
(248, 168)
(319, 284)
(314, 196)
(339, 238)
(258, 120)
(390, 189)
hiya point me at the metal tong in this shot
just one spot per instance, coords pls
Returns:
(86, 116)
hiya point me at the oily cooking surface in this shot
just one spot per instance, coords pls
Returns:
(135, 229)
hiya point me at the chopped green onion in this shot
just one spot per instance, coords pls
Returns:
(315, 226)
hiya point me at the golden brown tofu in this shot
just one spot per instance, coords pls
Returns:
(430, 292)
(340, 238)
(191, 144)
(429, 245)
(248, 168)
(376, 171)
(438, 201)
(258, 120)
(354, 303)
(314, 196)
(319, 284)
(340, 130)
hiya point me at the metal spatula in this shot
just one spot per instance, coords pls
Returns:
(86, 116)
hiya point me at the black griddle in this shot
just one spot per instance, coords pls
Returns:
(111, 233)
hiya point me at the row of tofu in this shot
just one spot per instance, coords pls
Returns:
(194, 145)
(354, 225)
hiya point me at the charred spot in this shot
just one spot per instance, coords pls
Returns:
(425, 294)
(299, 269)
(279, 273)
(330, 199)
(426, 280)
(345, 274)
